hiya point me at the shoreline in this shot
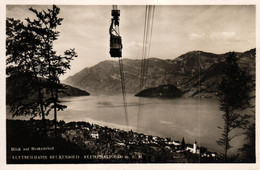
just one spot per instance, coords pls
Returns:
(96, 140)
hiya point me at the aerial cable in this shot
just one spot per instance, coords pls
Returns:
(143, 51)
(141, 100)
(116, 52)
(149, 17)
(149, 43)
(114, 7)
(123, 89)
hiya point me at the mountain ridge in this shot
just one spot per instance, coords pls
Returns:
(182, 72)
(13, 91)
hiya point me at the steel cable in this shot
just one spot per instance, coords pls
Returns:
(121, 68)
(149, 16)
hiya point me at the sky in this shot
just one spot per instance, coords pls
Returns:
(177, 29)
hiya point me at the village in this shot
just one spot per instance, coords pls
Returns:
(132, 146)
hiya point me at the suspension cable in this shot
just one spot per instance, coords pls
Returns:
(114, 7)
(149, 16)
(149, 42)
(114, 27)
(143, 51)
(121, 68)
(141, 100)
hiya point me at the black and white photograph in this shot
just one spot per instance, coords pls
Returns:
(130, 84)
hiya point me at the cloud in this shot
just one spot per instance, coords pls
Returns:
(167, 123)
(223, 35)
(132, 49)
(135, 44)
(195, 36)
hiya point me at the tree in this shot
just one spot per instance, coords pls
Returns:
(56, 65)
(248, 149)
(234, 94)
(22, 63)
(30, 52)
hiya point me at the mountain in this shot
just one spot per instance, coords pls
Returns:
(13, 90)
(169, 91)
(73, 91)
(184, 72)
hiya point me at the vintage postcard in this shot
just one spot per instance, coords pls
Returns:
(129, 85)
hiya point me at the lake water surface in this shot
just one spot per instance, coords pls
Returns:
(192, 118)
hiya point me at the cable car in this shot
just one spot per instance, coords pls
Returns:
(115, 46)
(115, 38)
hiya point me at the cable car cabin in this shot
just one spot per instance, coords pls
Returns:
(115, 38)
(115, 46)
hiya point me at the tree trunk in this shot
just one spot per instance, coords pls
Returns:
(40, 98)
(226, 137)
(55, 114)
(43, 116)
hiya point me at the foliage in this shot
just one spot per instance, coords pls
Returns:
(46, 24)
(30, 54)
(22, 62)
(22, 97)
(248, 149)
(234, 94)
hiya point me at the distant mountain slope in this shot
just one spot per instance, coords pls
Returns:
(182, 72)
(73, 91)
(12, 90)
(161, 91)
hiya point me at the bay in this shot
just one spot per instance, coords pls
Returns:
(193, 119)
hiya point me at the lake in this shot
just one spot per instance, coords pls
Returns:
(192, 118)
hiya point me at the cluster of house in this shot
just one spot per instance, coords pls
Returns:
(134, 138)
(177, 146)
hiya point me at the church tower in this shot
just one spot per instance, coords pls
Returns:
(195, 147)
